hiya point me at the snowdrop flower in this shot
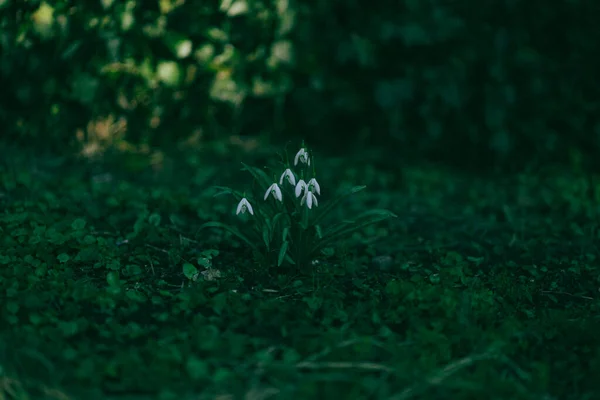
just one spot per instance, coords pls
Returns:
(310, 198)
(313, 186)
(302, 156)
(274, 189)
(243, 206)
(300, 187)
(289, 175)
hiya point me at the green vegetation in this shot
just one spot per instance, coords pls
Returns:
(475, 125)
(483, 287)
(509, 82)
(288, 227)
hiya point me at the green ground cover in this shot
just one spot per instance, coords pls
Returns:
(483, 287)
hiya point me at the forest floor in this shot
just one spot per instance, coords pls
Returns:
(483, 287)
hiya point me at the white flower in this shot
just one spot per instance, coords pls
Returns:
(243, 206)
(300, 186)
(289, 175)
(310, 198)
(302, 156)
(274, 189)
(313, 186)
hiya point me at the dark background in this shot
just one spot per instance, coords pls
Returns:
(478, 84)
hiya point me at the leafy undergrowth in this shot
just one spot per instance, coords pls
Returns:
(484, 287)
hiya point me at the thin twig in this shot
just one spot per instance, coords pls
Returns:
(343, 344)
(368, 366)
(157, 248)
(567, 294)
(93, 232)
(151, 265)
(443, 374)
(182, 236)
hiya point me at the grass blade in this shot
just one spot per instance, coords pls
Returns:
(368, 218)
(282, 253)
(325, 210)
(231, 230)
(260, 175)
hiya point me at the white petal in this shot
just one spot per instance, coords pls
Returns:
(277, 193)
(303, 199)
(244, 205)
(283, 176)
(309, 199)
(291, 177)
(275, 190)
(304, 158)
(314, 184)
(301, 185)
(314, 199)
(298, 155)
(269, 191)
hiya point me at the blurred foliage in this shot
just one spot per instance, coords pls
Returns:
(508, 82)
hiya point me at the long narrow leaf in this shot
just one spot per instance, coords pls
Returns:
(368, 218)
(259, 175)
(319, 231)
(325, 210)
(266, 239)
(285, 233)
(277, 219)
(345, 232)
(375, 214)
(222, 190)
(232, 230)
(225, 190)
(282, 253)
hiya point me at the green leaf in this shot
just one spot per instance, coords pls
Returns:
(277, 219)
(267, 222)
(197, 368)
(63, 258)
(133, 269)
(112, 278)
(222, 190)
(78, 224)
(210, 253)
(374, 215)
(260, 175)
(285, 233)
(265, 237)
(282, 253)
(290, 259)
(325, 210)
(225, 190)
(154, 219)
(319, 231)
(363, 220)
(13, 307)
(190, 271)
(231, 230)
(114, 265)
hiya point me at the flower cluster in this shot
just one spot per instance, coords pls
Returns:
(288, 229)
(308, 191)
